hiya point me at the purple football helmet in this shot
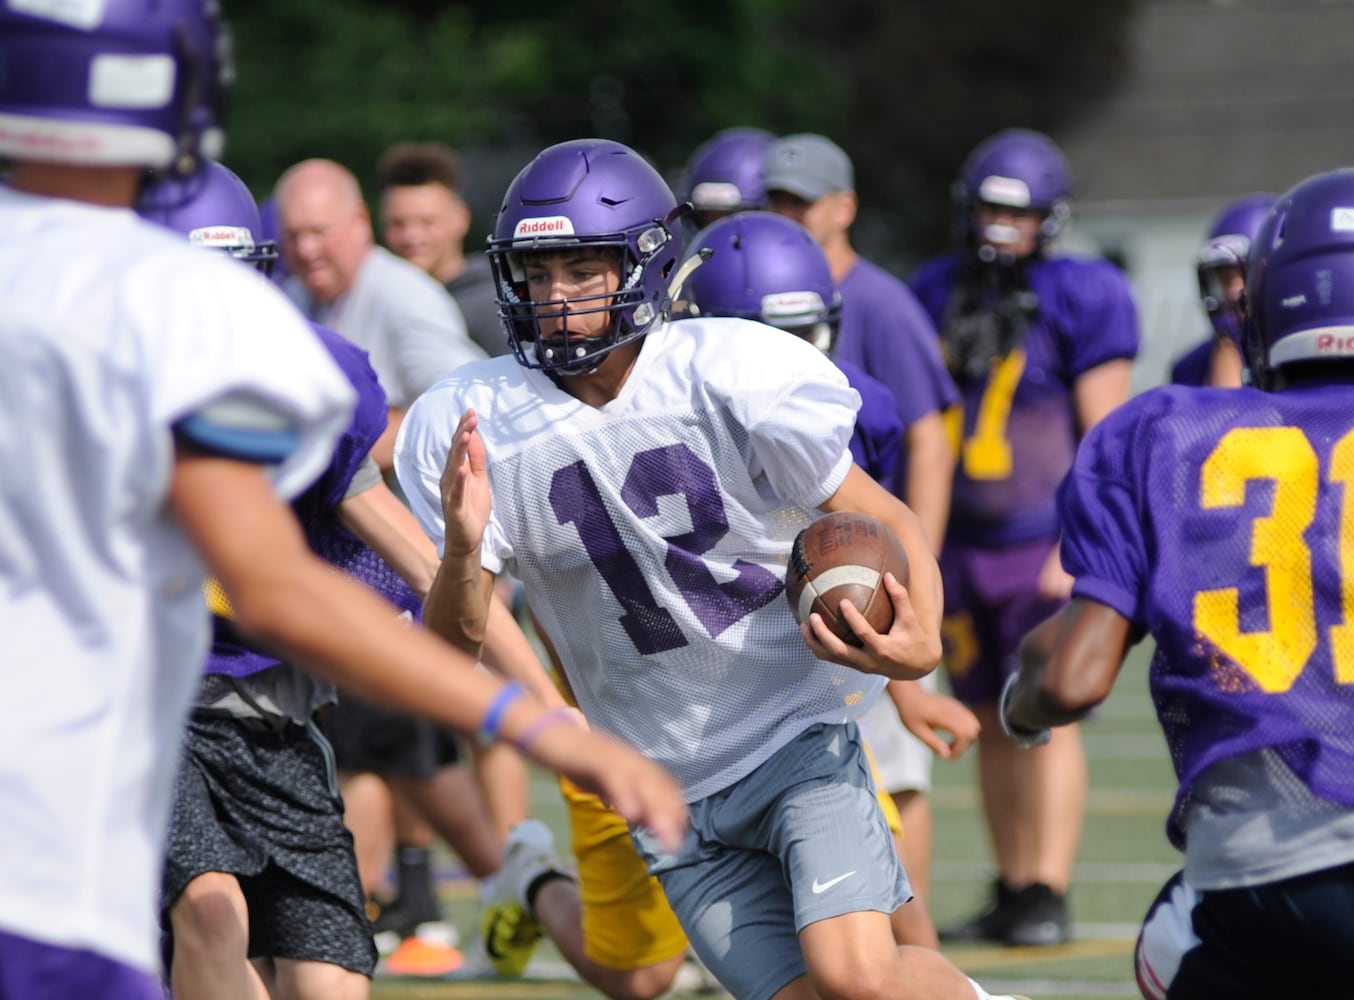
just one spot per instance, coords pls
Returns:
(1228, 246)
(114, 83)
(724, 174)
(1016, 168)
(769, 268)
(214, 210)
(1300, 283)
(588, 192)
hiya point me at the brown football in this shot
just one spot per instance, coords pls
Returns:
(844, 556)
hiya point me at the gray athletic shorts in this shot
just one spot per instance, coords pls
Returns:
(798, 840)
(261, 802)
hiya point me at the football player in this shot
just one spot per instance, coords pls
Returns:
(768, 268)
(1221, 269)
(648, 478)
(256, 820)
(154, 398)
(1221, 522)
(1041, 347)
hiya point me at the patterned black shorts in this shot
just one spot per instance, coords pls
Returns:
(262, 804)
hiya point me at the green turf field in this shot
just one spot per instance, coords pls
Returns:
(1124, 859)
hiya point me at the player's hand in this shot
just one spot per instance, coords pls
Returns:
(1055, 583)
(637, 788)
(466, 498)
(927, 716)
(908, 651)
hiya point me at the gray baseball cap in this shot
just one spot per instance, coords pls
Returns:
(808, 166)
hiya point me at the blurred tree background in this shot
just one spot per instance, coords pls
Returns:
(906, 87)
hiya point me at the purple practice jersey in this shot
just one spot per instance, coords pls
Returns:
(316, 509)
(887, 334)
(877, 441)
(1192, 367)
(1221, 521)
(1020, 430)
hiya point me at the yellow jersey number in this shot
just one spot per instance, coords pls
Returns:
(1275, 658)
(986, 453)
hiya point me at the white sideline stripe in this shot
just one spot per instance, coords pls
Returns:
(1061, 988)
(1134, 873)
(1117, 801)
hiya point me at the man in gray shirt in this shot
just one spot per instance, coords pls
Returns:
(424, 219)
(412, 331)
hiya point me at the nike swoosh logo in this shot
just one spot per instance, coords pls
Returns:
(825, 886)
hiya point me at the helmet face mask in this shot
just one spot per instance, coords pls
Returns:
(121, 83)
(1300, 280)
(214, 210)
(590, 194)
(767, 268)
(1221, 262)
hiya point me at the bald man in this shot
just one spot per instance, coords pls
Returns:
(412, 330)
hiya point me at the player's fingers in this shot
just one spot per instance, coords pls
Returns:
(654, 801)
(858, 622)
(821, 639)
(962, 741)
(904, 614)
(933, 740)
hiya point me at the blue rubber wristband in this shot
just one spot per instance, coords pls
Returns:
(497, 708)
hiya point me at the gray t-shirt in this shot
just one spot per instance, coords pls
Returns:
(410, 328)
(473, 289)
(1251, 820)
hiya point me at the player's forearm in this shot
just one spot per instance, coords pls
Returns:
(377, 517)
(1068, 665)
(508, 652)
(457, 607)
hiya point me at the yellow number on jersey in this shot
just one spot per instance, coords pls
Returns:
(217, 601)
(987, 453)
(1342, 636)
(1274, 658)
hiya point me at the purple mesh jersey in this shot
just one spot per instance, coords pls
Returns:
(885, 332)
(1019, 422)
(1222, 522)
(877, 441)
(1192, 367)
(316, 510)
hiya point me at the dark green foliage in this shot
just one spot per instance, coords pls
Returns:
(905, 86)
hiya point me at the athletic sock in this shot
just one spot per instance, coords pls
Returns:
(415, 875)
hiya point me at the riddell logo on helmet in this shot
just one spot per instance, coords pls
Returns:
(554, 225)
(1330, 343)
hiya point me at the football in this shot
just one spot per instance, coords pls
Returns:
(844, 556)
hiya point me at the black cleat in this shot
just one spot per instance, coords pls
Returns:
(988, 925)
(1041, 918)
(1030, 917)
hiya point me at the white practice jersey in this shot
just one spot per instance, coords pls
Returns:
(111, 330)
(652, 534)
